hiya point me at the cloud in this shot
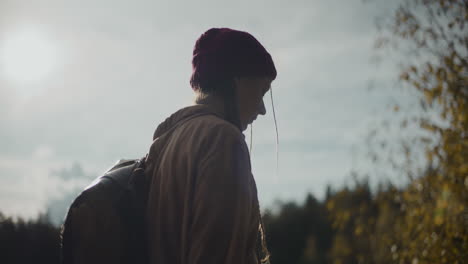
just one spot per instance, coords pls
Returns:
(57, 208)
(74, 172)
(28, 183)
(126, 68)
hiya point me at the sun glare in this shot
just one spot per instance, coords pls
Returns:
(28, 56)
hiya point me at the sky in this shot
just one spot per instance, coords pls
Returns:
(85, 83)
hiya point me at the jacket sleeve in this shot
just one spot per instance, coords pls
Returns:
(224, 225)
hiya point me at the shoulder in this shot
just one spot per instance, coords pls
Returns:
(213, 137)
(213, 127)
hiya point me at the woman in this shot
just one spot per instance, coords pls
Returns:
(202, 204)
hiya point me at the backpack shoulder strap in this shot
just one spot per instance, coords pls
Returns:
(121, 173)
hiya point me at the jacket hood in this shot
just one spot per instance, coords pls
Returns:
(203, 108)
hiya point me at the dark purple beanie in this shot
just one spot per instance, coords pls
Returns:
(220, 54)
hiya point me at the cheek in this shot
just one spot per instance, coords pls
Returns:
(256, 105)
(246, 102)
(252, 95)
(257, 97)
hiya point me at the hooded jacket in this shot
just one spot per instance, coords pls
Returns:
(202, 203)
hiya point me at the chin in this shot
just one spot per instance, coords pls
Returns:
(244, 125)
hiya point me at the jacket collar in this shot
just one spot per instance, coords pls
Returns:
(207, 105)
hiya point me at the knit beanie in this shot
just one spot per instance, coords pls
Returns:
(221, 54)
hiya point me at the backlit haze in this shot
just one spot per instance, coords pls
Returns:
(85, 83)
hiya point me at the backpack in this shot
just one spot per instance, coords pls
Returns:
(105, 223)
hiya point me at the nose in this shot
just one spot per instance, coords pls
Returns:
(262, 110)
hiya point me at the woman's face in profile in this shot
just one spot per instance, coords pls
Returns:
(250, 92)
